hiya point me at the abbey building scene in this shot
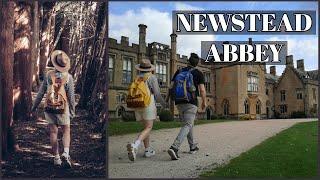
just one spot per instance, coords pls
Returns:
(234, 91)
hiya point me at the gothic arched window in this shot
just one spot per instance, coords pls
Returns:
(225, 106)
(246, 107)
(258, 107)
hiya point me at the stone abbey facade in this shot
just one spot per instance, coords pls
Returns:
(232, 90)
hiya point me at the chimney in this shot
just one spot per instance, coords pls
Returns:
(300, 64)
(142, 42)
(124, 40)
(289, 60)
(273, 70)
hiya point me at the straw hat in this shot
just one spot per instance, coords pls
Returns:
(145, 65)
(60, 60)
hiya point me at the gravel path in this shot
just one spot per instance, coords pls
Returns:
(218, 143)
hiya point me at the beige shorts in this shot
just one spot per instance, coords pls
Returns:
(149, 113)
(58, 119)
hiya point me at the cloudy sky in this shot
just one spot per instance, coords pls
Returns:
(124, 18)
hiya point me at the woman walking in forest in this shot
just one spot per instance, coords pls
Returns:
(146, 84)
(59, 105)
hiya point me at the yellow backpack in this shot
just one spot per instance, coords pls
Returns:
(139, 95)
(56, 101)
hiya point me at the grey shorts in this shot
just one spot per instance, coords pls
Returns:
(58, 119)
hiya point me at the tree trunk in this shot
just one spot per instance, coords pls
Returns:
(65, 36)
(46, 36)
(105, 83)
(52, 31)
(22, 57)
(1, 94)
(6, 69)
(91, 73)
(1, 105)
(35, 45)
(57, 39)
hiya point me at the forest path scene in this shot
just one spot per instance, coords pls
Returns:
(35, 159)
(55, 50)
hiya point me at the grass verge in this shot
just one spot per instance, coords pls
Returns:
(291, 153)
(120, 128)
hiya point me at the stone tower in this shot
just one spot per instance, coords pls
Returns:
(173, 60)
(142, 42)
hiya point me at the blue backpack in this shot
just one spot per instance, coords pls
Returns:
(183, 89)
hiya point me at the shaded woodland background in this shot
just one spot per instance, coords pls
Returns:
(29, 32)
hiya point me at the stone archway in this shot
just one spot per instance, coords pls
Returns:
(209, 113)
(225, 107)
(119, 111)
(268, 109)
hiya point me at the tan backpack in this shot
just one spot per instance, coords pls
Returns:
(56, 101)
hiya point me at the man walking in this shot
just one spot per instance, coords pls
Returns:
(187, 83)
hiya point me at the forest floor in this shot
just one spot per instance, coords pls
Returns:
(87, 151)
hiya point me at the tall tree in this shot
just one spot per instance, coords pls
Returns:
(35, 44)
(6, 69)
(92, 66)
(1, 104)
(22, 57)
(65, 36)
(46, 35)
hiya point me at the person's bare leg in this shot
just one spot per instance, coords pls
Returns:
(66, 144)
(146, 132)
(143, 136)
(146, 140)
(54, 139)
(66, 138)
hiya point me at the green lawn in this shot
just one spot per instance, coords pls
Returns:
(291, 153)
(119, 128)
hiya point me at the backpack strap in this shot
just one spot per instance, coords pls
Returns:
(192, 93)
(191, 69)
(52, 76)
(65, 78)
(146, 77)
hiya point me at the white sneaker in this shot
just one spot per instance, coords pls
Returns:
(57, 161)
(66, 160)
(132, 151)
(149, 152)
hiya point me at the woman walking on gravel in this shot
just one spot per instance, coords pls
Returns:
(146, 86)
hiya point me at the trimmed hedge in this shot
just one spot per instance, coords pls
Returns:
(128, 116)
(298, 114)
(215, 116)
(165, 115)
(245, 117)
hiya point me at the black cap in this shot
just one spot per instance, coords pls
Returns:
(194, 59)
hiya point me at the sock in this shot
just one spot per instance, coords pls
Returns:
(57, 156)
(66, 150)
(137, 143)
(148, 149)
